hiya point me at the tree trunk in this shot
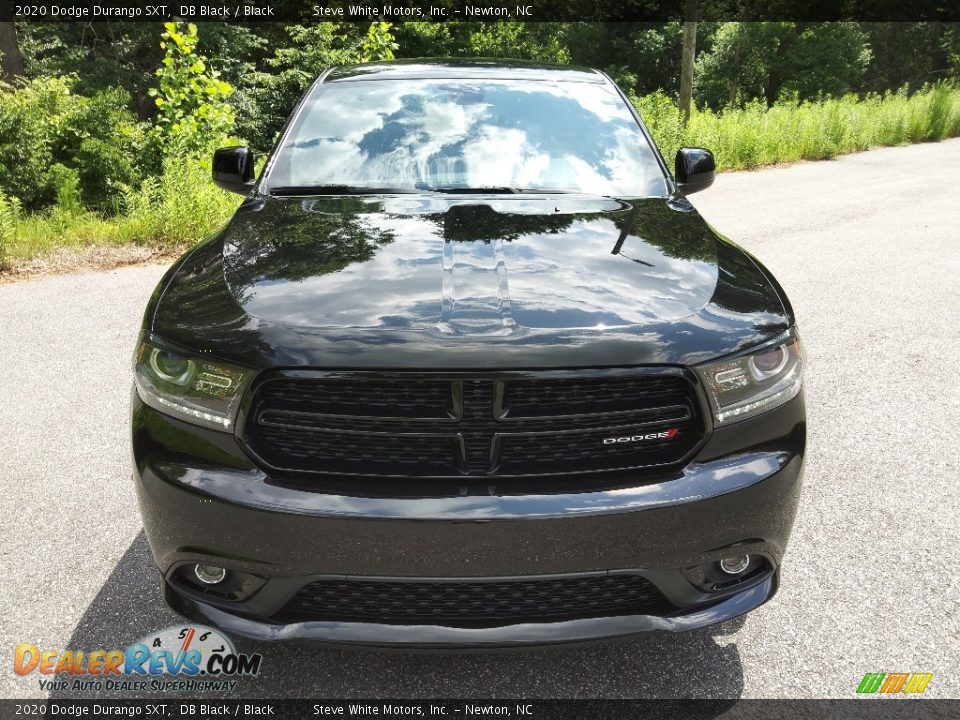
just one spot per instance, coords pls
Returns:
(735, 75)
(11, 60)
(686, 60)
(775, 78)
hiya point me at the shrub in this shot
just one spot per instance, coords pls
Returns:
(66, 183)
(44, 124)
(379, 43)
(172, 211)
(178, 207)
(192, 110)
(30, 130)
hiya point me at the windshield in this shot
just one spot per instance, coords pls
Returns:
(503, 135)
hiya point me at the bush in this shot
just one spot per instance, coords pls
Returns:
(180, 206)
(66, 183)
(43, 125)
(169, 211)
(192, 110)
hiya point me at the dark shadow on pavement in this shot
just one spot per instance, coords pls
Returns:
(689, 665)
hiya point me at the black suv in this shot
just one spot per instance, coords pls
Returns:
(466, 369)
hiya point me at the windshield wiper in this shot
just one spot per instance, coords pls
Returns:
(293, 190)
(552, 191)
(333, 190)
(455, 190)
(498, 190)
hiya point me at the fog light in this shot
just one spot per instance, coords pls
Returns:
(735, 565)
(209, 574)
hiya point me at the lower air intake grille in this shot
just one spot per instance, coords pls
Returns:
(474, 604)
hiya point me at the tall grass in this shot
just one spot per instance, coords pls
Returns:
(175, 209)
(756, 135)
(182, 205)
(9, 215)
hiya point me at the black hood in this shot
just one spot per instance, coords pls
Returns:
(467, 282)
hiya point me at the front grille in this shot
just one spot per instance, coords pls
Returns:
(342, 452)
(471, 603)
(411, 398)
(567, 397)
(470, 426)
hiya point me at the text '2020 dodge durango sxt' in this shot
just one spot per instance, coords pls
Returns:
(466, 369)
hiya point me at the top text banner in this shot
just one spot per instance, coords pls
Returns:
(305, 11)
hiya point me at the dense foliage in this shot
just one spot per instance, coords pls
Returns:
(111, 126)
(191, 99)
(52, 138)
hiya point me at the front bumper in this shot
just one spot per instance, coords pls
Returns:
(438, 637)
(203, 501)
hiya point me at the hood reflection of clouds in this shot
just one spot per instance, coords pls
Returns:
(613, 290)
(401, 287)
(564, 279)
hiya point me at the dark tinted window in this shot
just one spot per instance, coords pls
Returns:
(421, 134)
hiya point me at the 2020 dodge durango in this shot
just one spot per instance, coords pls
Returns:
(466, 369)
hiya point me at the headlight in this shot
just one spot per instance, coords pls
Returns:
(204, 392)
(756, 381)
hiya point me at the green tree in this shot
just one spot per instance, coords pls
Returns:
(428, 39)
(192, 109)
(907, 54)
(542, 42)
(773, 59)
(379, 43)
(824, 59)
(100, 56)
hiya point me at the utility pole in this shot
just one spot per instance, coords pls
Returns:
(686, 60)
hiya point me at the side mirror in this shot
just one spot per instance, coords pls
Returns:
(233, 169)
(695, 169)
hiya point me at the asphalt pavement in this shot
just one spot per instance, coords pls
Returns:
(868, 249)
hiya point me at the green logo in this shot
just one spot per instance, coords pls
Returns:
(891, 683)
